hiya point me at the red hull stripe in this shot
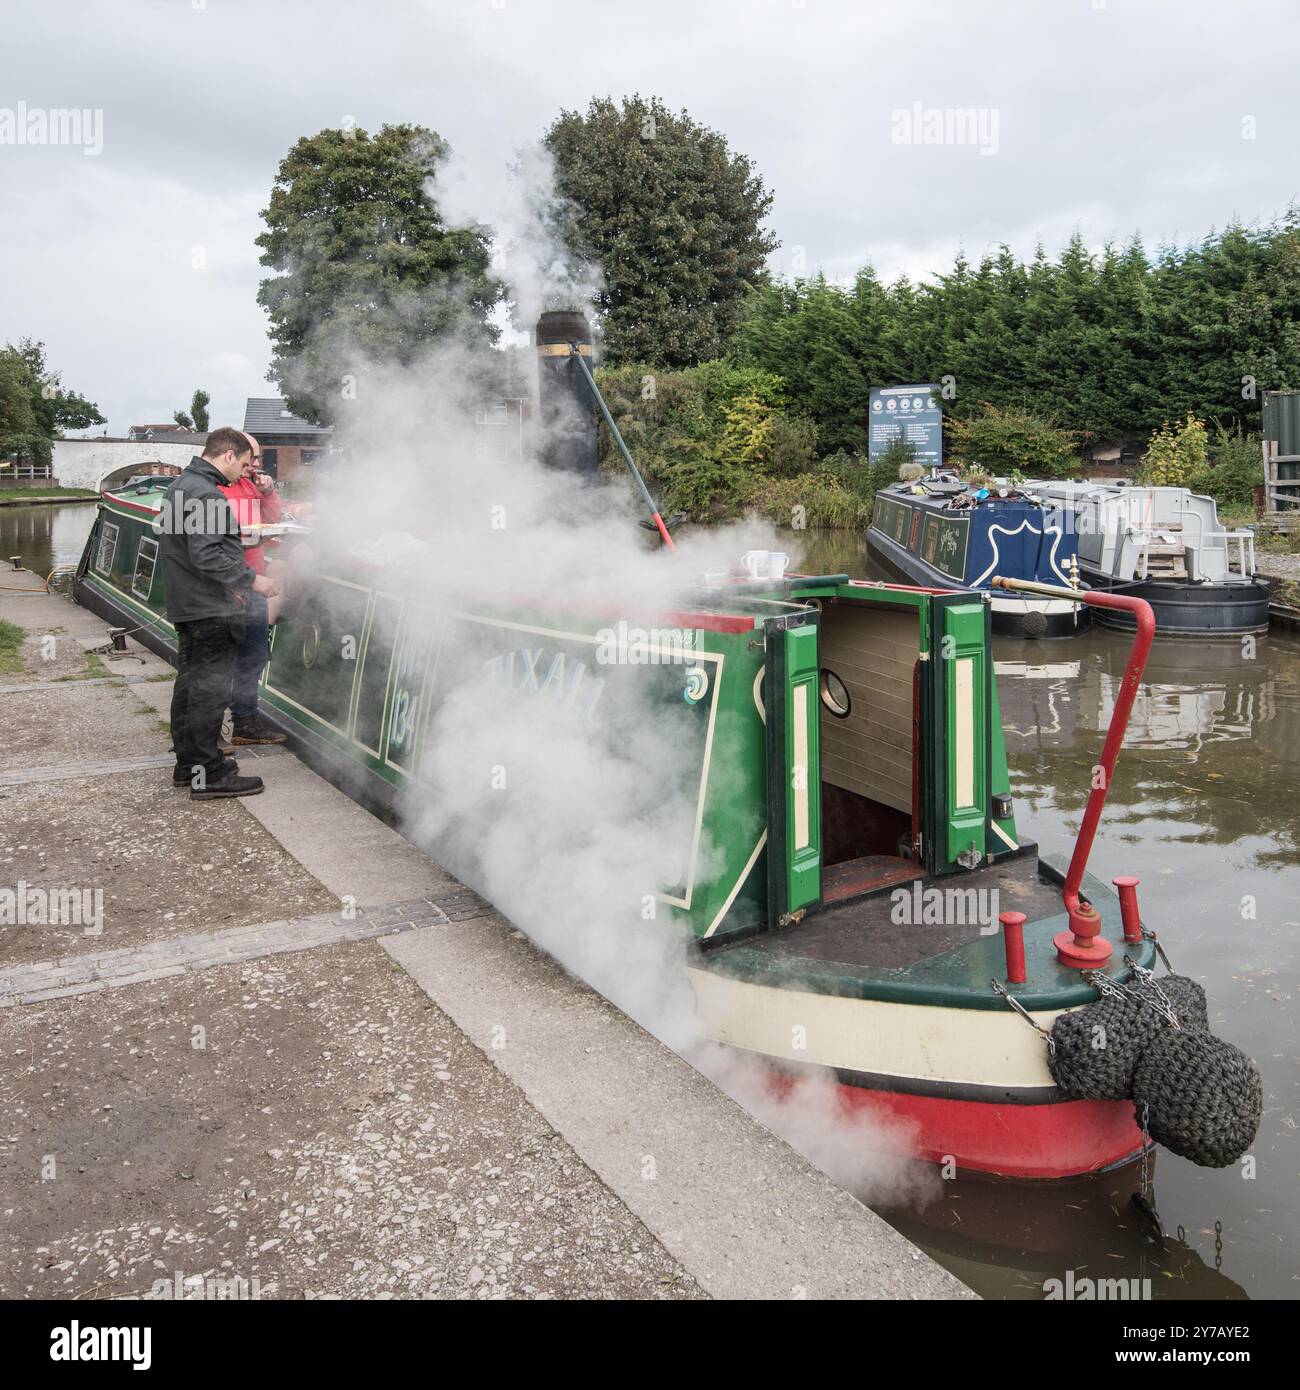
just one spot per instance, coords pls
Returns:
(1060, 1140)
(129, 506)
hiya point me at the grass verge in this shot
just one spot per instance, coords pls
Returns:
(12, 638)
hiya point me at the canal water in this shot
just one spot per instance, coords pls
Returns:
(45, 536)
(1205, 808)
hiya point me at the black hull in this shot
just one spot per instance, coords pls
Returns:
(1192, 610)
(902, 567)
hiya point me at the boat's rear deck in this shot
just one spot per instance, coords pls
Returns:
(878, 946)
(863, 931)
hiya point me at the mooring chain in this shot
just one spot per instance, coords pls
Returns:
(1147, 977)
(1106, 985)
(1149, 935)
(1144, 1201)
(1044, 1033)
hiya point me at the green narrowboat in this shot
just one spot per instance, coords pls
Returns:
(849, 768)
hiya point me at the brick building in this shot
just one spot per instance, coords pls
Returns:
(291, 446)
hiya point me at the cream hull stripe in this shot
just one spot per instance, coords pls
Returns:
(921, 1042)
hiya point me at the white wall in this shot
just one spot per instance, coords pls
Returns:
(83, 462)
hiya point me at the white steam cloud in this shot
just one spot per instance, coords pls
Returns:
(525, 218)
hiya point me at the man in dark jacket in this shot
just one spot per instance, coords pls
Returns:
(206, 583)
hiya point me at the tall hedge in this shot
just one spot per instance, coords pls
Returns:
(1103, 344)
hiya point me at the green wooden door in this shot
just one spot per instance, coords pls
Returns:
(956, 727)
(794, 812)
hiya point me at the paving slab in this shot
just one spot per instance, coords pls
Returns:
(105, 967)
(350, 851)
(75, 724)
(355, 854)
(41, 612)
(164, 865)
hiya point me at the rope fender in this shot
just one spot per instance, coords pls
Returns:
(1097, 1048)
(1203, 1096)
(1151, 1043)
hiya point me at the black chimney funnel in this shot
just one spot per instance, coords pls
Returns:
(566, 407)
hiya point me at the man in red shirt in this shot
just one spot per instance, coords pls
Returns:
(253, 499)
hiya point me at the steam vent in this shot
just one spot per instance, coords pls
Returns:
(568, 412)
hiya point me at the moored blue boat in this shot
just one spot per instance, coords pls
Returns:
(938, 531)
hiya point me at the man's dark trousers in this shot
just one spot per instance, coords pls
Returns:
(253, 654)
(205, 670)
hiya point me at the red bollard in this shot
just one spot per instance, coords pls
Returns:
(1128, 906)
(1083, 947)
(1013, 939)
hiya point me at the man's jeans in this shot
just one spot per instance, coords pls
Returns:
(205, 668)
(254, 651)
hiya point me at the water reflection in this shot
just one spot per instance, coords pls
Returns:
(1010, 1239)
(45, 536)
(1191, 697)
(1214, 727)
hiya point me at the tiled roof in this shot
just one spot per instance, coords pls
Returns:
(265, 416)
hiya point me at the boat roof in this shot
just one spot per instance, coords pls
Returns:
(943, 497)
(143, 494)
(1073, 489)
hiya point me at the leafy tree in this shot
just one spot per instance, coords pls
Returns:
(56, 410)
(1233, 468)
(816, 336)
(672, 217)
(34, 409)
(19, 437)
(196, 418)
(706, 436)
(1104, 344)
(369, 273)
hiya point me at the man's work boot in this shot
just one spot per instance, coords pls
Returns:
(253, 730)
(184, 776)
(230, 785)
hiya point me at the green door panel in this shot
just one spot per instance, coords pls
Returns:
(793, 766)
(959, 679)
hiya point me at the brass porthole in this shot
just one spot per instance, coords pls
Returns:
(310, 646)
(835, 694)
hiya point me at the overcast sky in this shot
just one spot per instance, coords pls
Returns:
(1162, 117)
